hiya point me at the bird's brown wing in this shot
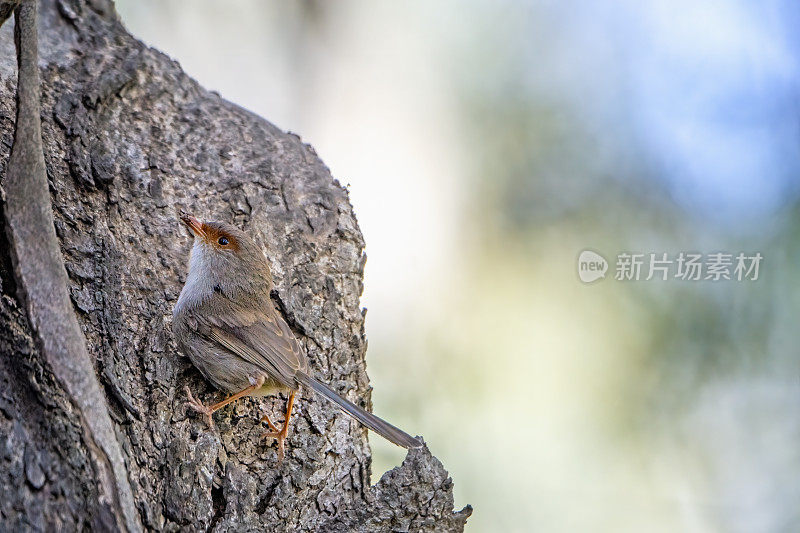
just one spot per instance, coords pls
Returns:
(260, 336)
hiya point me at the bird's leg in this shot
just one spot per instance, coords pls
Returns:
(198, 406)
(275, 433)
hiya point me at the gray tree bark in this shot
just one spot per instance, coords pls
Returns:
(128, 139)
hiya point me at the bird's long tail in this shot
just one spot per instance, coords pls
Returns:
(376, 424)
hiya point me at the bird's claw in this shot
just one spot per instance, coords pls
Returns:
(198, 406)
(280, 437)
(277, 434)
(272, 426)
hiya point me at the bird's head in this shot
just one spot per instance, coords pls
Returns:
(225, 257)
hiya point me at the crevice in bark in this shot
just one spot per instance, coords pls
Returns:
(8, 285)
(6, 9)
(296, 327)
(218, 501)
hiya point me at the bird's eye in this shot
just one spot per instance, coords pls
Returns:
(223, 241)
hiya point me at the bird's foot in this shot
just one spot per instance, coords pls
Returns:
(277, 434)
(198, 406)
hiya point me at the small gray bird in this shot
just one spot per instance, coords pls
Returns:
(226, 324)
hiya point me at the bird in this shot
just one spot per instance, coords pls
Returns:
(225, 322)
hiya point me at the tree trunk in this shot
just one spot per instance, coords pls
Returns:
(128, 139)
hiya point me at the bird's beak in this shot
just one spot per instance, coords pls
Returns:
(193, 224)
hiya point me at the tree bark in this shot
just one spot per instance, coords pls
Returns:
(128, 139)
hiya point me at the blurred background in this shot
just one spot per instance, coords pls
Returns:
(485, 145)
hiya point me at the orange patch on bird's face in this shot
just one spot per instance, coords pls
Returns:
(219, 238)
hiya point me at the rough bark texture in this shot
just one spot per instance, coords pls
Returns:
(128, 139)
(42, 284)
